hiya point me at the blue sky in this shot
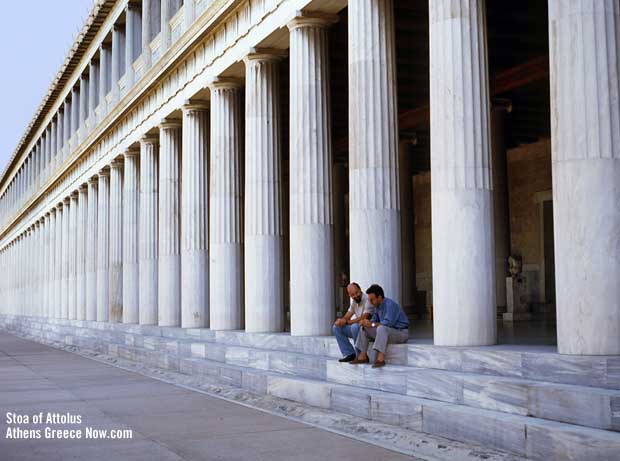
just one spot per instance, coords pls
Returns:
(35, 37)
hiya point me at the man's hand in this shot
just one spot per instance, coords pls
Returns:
(340, 322)
(365, 323)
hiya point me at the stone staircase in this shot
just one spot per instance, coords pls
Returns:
(532, 403)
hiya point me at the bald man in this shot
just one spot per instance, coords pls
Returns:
(348, 326)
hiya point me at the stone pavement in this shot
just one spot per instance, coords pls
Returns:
(167, 422)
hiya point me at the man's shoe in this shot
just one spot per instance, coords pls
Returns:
(348, 358)
(358, 361)
(378, 364)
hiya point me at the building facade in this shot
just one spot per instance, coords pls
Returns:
(150, 186)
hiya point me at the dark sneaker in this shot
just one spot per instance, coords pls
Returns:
(348, 358)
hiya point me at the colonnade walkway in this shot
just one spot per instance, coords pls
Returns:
(168, 422)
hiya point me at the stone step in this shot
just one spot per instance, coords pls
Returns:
(590, 407)
(581, 405)
(543, 364)
(525, 436)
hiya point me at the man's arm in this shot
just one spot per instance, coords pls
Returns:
(359, 319)
(344, 320)
(391, 315)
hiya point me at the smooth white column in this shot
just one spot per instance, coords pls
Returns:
(461, 187)
(147, 18)
(311, 209)
(264, 290)
(81, 236)
(225, 202)
(104, 83)
(72, 254)
(103, 243)
(91, 250)
(66, 250)
(58, 264)
(118, 55)
(93, 92)
(148, 241)
(584, 58)
(194, 217)
(116, 241)
(169, 268)
(166, 15)
(83, 106)
(374, 202)
(132, 40)
(131, 195)
(75, 112)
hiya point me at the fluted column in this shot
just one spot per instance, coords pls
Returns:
(132, 37)
(374, 202)
(47, 269)
(116, 61)
(264, 303)
(83, 106)
(194, 217)
(169, 270)
(104, 62)
(311, 212)
(131, 195)
(81, 236)
(66, 127)
(584, 57)
(93, 92)
(461, 192)
(116, 241)
(103, 241)
(54, 161)
(75, 113)
(71, 264)
(66, 250)
(58, 264)
(148, 241)
(225, 202)
(91, 250)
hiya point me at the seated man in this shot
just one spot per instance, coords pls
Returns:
(348, 326)
(389, 324)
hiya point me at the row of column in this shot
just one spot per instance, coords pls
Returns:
(199, 253)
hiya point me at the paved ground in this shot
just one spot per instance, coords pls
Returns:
(167, 422)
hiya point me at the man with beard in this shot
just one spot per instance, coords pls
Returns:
(349, 325)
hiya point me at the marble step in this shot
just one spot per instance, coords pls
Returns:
(580, 405)
(534, 363)
(525, 436)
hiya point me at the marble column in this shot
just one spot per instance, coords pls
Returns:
(83, 106)
(132, 39)
(189, 12)
(374, 205)
(47, 266)
(103, 242)
(116, 241)
(72, 261)
(93, 92)
(225, 202)
(501, 225)
(104, 83)
(148, 242)
(58, 263)
(166, 15)
(59, 139)
(311, 208)
(75, 112)
(461, 187)
(169, 268)
(147, 32)
(131, 195)
(263, 242)
(80, 268)
(584, 58)
(91, 250)
(194, 217)
(66, 251)
(54, 160)
(66, 127)
(118, 56)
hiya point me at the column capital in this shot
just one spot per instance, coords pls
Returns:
(131, 152)
(104, 172)
(74, 195)
(66, 200)
(195, 105)
(59, 206)
(93, 179)
(225, 83)
(133, 4)
(117, 163)
(83, 187)
(265, 54)
(149, 139)
(312, 19)
(169, 123)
